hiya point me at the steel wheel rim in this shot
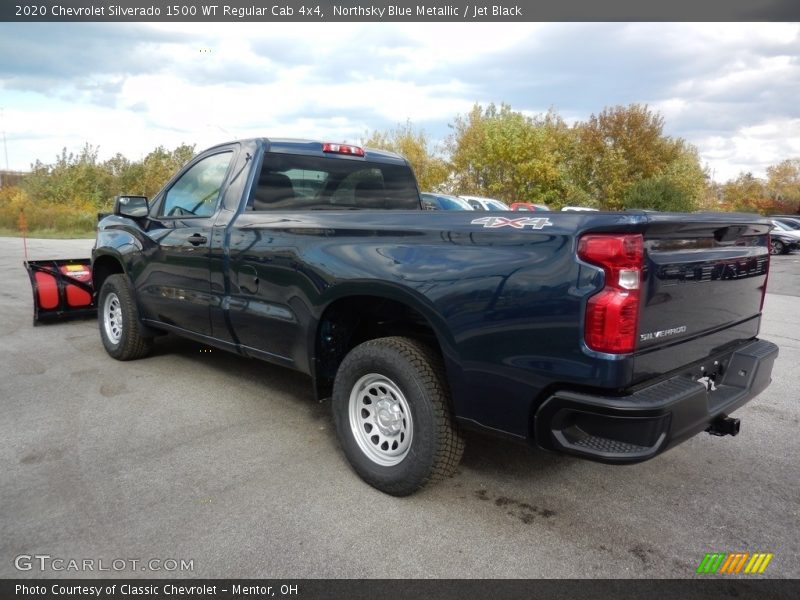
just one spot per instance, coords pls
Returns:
(380, 420)
(776, 246)
(112, 318)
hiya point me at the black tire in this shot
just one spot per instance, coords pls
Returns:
(406, 380)
(776, 247)
(119, 321)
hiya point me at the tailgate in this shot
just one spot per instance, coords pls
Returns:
(701, 278)
(703, 284)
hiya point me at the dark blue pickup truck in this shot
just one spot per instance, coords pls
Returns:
(609, 336)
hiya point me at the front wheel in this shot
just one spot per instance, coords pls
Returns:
(119, 321)
(776, 247)
(393, 417)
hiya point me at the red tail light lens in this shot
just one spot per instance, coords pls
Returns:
(342, 149)
(612, 314)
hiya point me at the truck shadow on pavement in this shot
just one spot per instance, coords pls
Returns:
(483, 453)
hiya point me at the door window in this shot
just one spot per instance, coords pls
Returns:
(197, 191)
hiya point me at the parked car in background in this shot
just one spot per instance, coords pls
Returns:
(443, 202)
(578, 209)
(481, 203)
(528, 206)
(790, 222)
(783, 239)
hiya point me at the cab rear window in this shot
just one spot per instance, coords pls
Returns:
(295, 182)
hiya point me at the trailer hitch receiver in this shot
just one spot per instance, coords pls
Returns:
(724, 426)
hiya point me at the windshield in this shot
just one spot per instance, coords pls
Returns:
(453, 203)
(790, 223)
(781, 226)
(496, 205)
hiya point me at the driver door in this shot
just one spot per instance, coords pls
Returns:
(176, 288)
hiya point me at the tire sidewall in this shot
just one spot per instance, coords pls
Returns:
(412, 472)
(111, 285)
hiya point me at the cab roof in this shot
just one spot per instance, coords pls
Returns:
(314, 148)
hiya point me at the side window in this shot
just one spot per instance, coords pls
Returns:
(196, 193)
(476, 205)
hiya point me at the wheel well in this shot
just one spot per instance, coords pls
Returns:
(104, 267)
(350, 321)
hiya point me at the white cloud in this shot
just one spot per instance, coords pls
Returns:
(730, 89)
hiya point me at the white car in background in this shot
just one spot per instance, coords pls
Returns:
(481, 203)
(783, 239)
(579, 209)
(431, 201)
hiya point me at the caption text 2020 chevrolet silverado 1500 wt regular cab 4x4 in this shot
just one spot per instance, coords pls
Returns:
(609, 336)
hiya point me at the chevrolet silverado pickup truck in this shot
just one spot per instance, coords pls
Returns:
(607, 336)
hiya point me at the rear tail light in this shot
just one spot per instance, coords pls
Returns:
(342, 149)
(612, 314)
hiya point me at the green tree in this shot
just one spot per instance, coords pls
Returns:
(159, 165)
(73, 180)
(66, 195)
(783, 185)
(127, 176)
(746, 193)
(625, 145)
(431, 170)
(657, 193)
(508, 155)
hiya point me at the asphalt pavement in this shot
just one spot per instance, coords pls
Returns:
(230, 466)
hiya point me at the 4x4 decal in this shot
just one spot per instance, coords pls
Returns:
(520, 223)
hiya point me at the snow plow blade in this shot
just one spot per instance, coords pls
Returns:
(62, 289)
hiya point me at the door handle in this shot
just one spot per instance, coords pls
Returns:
(197, 239)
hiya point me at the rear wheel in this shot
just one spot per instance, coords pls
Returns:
(776, 247)
(119, 321)
(393, 417)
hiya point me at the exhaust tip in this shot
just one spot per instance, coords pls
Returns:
(724, 426)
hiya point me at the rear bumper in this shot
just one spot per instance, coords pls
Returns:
(641, 425)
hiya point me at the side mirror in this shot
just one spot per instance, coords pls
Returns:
(131, 206)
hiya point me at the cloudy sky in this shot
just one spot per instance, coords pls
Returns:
(733, 90)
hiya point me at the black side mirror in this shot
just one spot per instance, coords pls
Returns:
(131, 206)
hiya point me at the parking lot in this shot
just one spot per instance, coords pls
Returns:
(231, 464)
